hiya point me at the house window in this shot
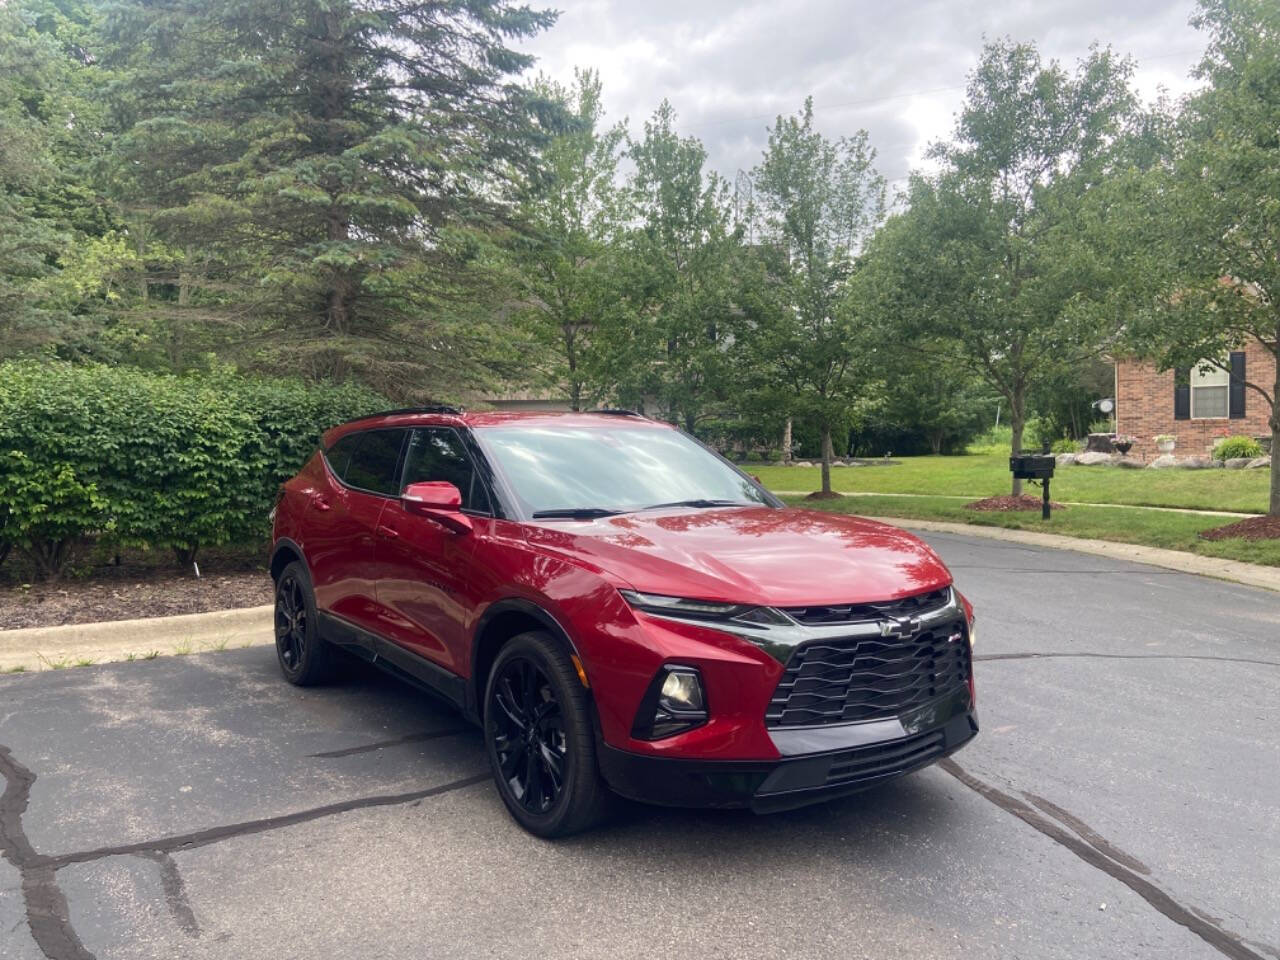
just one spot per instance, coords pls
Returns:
(1210, 386)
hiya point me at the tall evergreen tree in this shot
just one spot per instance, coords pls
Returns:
(327, 159)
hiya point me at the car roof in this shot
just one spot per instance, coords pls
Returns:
(450, 416)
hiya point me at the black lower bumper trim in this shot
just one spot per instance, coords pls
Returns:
(773, 785)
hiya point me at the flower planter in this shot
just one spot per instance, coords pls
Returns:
(1166, 446)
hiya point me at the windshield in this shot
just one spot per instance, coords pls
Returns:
(555, 468)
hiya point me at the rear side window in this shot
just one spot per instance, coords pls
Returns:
(339, 455)
(436, 453)
(373, 464)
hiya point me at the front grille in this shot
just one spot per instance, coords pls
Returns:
(921, 603)
(869, 678)
(885, 759)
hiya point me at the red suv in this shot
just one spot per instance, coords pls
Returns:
(621, 610)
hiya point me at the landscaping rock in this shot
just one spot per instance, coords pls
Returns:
(838, 463)
(1092, 458)
(1199, 463)
(1258, 462)
(1237, 463)
(801, 463)
(1131, 463)
(1163, 462)
(1099, 443)
(1066, 459)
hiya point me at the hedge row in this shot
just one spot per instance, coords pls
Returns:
(146, 459)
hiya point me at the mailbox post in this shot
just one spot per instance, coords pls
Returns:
(1037, 468)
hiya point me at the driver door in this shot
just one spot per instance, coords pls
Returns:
(428, 582)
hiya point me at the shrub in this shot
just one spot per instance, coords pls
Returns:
(1064, 445)
(148, 459)
(44, 510)
(1232, 448)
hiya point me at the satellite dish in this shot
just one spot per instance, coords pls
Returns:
(1107, 405)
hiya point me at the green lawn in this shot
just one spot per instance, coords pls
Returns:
(985, 475)
(1173, 531)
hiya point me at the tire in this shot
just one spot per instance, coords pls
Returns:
(534, 677)
(304, 656)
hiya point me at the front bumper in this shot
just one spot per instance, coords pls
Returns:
(817, 764)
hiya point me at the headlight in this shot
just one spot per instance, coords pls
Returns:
(688, 609)
(675, 702)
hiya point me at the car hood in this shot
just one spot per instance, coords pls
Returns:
(775, 557)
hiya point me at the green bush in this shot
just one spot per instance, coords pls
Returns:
(1232, 448)
(150, 460)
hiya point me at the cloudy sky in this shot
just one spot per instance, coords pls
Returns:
(896, 68)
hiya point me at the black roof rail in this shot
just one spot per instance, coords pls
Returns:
(438, 408)
(611, 412)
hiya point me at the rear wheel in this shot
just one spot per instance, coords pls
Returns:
(539, 738)
(305, 658)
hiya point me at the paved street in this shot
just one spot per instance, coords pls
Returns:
(1122, 800)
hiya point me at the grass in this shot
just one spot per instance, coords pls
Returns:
(1173, 531)
(987, 474)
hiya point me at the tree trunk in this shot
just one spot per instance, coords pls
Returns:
(186, 554)
(1274, 507)
(827, 457)
(184, 279)
(786, 442)
(1017, 422)
(935, 443)
(49, 557)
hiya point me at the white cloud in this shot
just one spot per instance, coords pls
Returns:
(730, 66)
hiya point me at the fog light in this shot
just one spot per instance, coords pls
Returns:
(681, 691)
(675, 702)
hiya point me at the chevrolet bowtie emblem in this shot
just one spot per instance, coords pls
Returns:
(899, 627)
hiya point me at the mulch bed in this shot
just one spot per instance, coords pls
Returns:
(1008, 504)
(78, 601)
(141, 584)
(1255, 528)
(820, 495)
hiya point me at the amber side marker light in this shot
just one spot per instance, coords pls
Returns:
(582, 674)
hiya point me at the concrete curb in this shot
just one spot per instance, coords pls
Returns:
(43, 648)
(1249, 574)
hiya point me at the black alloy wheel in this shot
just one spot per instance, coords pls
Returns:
(540, 738)
(303, 654)
(529, 735)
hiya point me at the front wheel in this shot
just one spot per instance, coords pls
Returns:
(304, 656)
(539, 738)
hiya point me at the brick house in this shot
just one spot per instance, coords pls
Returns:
(1198, 408)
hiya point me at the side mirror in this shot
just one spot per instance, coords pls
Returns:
(439, 500)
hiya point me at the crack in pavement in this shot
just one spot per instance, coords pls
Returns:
(47, 912)
(393, 742)
(1123, 656)
(202, 838)
(1225, 942)
(48, 916)
(175, 891)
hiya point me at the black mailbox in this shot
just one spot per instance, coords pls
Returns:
(1032, 466)
(1035, 467)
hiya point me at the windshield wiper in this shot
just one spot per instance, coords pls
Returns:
(575, 513)
(703, 503)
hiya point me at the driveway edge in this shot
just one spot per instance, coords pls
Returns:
(43, 648)
(1249, 574)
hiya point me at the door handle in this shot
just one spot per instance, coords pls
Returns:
(390, 533)
(319, 502)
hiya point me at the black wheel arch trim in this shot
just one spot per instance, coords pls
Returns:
(512, 605)
(284, 544)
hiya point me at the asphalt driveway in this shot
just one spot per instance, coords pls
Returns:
(1122, 800)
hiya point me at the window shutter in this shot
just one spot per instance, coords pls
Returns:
(1182, 393)
(1235, 392)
